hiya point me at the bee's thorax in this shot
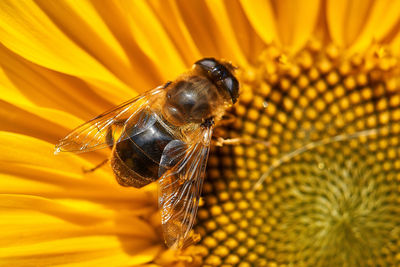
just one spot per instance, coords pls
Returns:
(192, 100)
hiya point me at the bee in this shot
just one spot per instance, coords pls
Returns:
(164, 135)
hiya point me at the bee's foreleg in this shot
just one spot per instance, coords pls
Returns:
(95, 167)
(227, 119)
(239, 141)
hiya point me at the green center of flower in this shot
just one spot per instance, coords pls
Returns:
(325, 191)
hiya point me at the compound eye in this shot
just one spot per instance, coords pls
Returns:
(207, 63)
(232, 86)
(219, 73)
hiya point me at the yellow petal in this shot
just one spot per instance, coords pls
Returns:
(30, 159)
(296, 21)
(151, 37)
(33, 156)
(145, 71)
(250, 43)
(336, 16)
(177, 30)
(82, 24)
(229, 36)
(26, 83)
(77, 215)
(395, 44)
(12, 95)
(199, 22)
(381, 21)
(72, 213)
(348, 19)
(29, 32)
(105, 250)
(16, 120)
(49, 209)
(262, 17)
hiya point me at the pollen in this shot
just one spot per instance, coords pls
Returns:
(320, 186)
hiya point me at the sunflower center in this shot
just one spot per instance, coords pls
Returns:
(325, 191)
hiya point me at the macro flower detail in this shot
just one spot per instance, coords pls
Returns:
(325, 190)
(317, 185)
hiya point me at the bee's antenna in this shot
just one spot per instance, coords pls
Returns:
(101, 164)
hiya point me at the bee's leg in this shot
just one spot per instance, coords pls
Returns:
(239, 141)
(95, 167)
(226, 119)
(110, 143)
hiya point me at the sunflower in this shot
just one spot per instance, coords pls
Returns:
(319, 83)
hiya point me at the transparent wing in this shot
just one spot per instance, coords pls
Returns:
(100, 131)
(180, 187)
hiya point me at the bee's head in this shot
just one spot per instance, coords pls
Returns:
(221, 75)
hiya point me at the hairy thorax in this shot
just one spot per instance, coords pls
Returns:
(192, 100)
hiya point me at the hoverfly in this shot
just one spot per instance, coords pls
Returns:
(165, 135)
